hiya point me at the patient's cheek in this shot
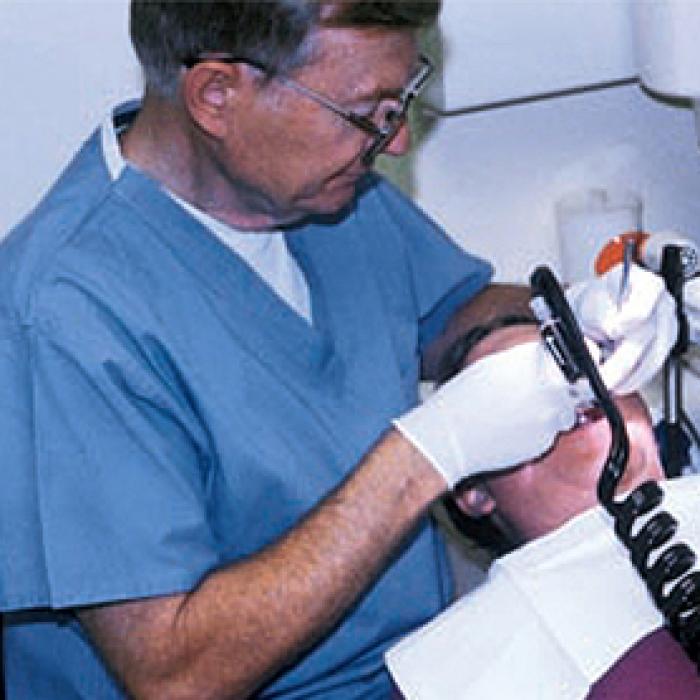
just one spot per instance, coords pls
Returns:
(589, 440)
(644, 452)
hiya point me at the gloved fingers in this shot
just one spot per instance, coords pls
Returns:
(691, 299)
(645, 290)
(565, 416)
(694, 333)
(595, 302)
(640, 355)
(586, 299)
(504, 409)
(691, 308)
(622, 369)
(547, 392)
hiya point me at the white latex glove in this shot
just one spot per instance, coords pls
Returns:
(691, 306)
(502, 410)
(639, 333)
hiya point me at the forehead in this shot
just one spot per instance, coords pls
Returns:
(364, 60)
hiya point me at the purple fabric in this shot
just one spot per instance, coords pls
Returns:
(395, 693)
(656, 668)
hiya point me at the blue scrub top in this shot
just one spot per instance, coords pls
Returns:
(166, 413)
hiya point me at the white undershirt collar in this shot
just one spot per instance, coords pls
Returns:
(266, 252)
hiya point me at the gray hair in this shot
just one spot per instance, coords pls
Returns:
(273, 33)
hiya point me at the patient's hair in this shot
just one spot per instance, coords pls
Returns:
(455, 357)
(485, 531)
(166, 34)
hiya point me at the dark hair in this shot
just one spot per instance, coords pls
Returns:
(453, 359)
(486, 531)
(273, 33)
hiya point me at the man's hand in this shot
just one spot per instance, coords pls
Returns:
(498, 412)
(252, 618)
(640, 329)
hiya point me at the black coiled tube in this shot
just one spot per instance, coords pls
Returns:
(667, 569)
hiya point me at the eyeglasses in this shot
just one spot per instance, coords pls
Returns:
(387, 118)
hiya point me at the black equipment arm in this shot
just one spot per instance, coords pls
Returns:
(668, 573)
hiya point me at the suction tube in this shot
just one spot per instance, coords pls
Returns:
(666, 568)
(561, 331)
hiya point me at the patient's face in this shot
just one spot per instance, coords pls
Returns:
(541, 495)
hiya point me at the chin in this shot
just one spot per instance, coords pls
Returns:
(339, 196)
(330, 204)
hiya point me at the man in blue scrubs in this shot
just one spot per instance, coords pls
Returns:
(216, 475)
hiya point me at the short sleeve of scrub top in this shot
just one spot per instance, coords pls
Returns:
(441, 275)
(121, 477)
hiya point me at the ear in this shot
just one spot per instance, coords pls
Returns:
(475, 501)
(208, 91)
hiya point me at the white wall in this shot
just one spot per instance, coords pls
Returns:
(62, 64)
(492, 178)
(503, 49)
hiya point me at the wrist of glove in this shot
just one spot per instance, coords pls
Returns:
(638, 332)
(499, 412)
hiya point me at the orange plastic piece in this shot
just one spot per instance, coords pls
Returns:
(613, 252)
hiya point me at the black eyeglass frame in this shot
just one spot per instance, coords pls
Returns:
(381, 135)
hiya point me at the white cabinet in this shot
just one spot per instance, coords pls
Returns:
(499, 50)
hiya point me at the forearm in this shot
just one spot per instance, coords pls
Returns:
(247, 621)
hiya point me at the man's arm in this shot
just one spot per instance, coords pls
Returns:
(492, 302)
(247, 621)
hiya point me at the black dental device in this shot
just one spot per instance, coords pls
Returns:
(667, 569)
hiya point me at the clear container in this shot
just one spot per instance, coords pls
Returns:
(586, 220)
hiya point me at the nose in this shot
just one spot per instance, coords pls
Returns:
(401, 142)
